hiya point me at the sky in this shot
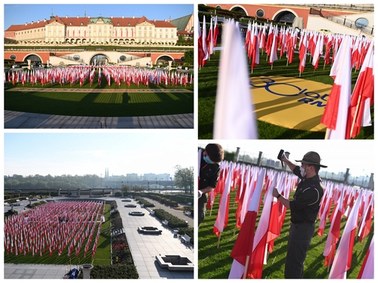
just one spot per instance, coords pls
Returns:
(20, 14)
(357, 155)
(90, 153)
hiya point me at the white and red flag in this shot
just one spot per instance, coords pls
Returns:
(362, 97)
(242, 249)
(222, 217)
(336, 112)
(367, 268)
(344, 253)
(234, 116)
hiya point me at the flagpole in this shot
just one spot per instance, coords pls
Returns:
(246, 267)
(355, 114)
(220, 234)
(327, 134)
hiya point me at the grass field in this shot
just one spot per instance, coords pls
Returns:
(207, 88)
(102, 255)
(216, 262)
(121, 103)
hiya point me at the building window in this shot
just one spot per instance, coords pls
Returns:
(12, 57)
(361, 23)
(260, 13)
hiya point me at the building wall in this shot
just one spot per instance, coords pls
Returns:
(97, 32)
(317, 23)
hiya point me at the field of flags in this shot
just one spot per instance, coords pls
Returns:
(64, 229)
(349, 108)
(119, 76)
(259, 219)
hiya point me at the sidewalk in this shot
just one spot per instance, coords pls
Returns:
(25, 120)
(34, 271)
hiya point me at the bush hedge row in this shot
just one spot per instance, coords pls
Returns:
(173, 221)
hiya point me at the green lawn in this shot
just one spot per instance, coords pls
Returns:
(216, 262)
(207, 88)
(100, 104)
(102, 255)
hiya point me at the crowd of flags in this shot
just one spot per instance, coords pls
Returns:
(348, 110)
(253, 188)
(108, 75)
(55, 228)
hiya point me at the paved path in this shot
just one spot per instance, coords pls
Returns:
(35, 271)
(144, 248)
(24, 120)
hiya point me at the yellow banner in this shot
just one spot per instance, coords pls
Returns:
(293, 103)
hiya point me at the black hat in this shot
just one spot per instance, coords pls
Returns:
(311, 157)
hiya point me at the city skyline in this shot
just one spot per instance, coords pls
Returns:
(337, 155)
(90, 153)
(21, 13)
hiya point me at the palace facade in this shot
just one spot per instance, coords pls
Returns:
(94, 31)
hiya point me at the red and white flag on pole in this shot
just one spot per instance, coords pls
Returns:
(343, 257)
(336, 112)
(234, 115)
(222, 217)
(303, 43)
(242, 249)
(362, 97)
(260, 245)
(334, 232)
(367, 268)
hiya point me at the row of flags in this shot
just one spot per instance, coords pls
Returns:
(69, 227)
(348, 109)
(116, 75)
(253, 188)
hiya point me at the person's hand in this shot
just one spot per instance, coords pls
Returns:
(284, 158)
(275, 192)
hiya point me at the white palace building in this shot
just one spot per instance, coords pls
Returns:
(94, 31)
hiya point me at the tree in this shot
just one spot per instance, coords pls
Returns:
(189, 57)
(184, 178)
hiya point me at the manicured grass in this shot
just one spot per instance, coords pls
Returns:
(100, 104)
(102, 256)
(207, 88)
(216, 262)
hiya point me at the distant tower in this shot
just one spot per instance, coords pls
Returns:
(106, 173)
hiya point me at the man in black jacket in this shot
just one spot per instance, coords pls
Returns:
(304, 209)
(208, 177)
